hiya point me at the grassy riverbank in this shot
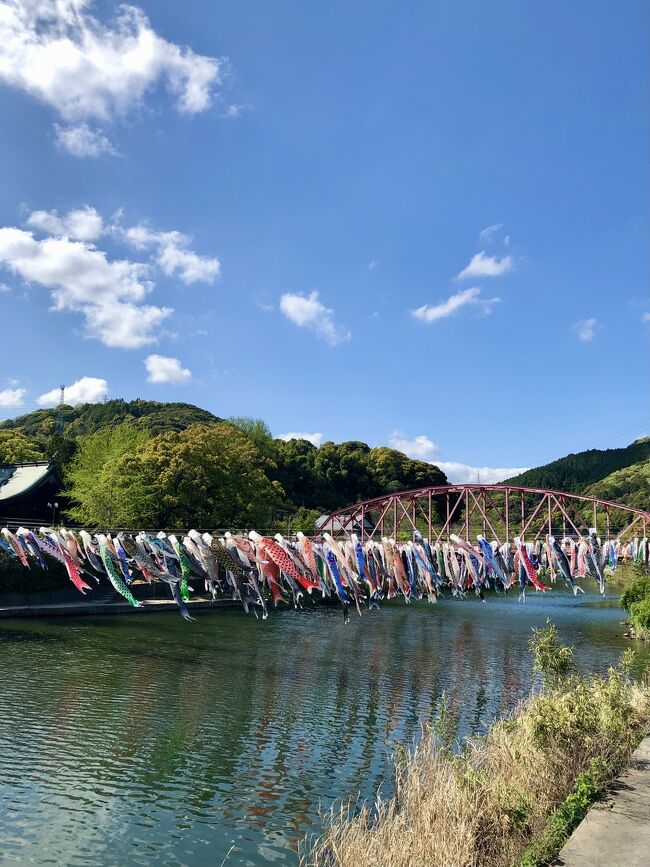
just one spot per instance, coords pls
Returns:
(635, 599)
(511, 797)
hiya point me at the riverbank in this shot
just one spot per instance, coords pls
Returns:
(616, 830)
(511, 796)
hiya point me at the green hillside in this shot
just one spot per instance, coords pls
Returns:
(631, 486)
(578, 471)
(86, 418)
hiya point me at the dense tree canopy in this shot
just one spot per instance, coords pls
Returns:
(335, 475)
(15, 448)
(208, 476)
(104, 482)
(204, 476)
(258, 432)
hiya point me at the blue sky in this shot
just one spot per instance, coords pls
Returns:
(423, 224)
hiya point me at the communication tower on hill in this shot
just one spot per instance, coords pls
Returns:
(59, 415)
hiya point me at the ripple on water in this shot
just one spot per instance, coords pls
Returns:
(143, 740)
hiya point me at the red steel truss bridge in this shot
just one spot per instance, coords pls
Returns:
(497, 511)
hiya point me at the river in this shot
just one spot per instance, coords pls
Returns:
(142, 739)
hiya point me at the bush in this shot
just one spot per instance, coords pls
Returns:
(635, 599)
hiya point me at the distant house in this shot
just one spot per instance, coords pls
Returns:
(334, 526)
(27, 492)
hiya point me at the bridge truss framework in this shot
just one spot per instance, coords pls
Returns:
(501, 511)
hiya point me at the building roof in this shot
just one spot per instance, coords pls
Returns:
(19, 479)
(335, 525)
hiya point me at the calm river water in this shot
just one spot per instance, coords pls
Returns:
(147, 740)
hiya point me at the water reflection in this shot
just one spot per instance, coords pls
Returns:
(141, 740)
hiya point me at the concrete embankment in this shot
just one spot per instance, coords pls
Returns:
(616, 831)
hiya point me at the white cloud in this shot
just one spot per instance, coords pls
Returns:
(459, 474)
(306, 311)
(645, 317)
(161, 368)
(61, 54)
(172, 254)
(12, 396)
(81, 224)
(372, 265)
(421, 448)
(125, 326)
(314, 438)
(80, 140)
(471, 296)
(88, 389)
(4, 288)
(489, 232)
(482, 265)
(82, 279)
(586, 329)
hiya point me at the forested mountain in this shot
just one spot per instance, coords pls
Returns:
(631, 486)
(576, 472)
(87, 418)
(175, 464)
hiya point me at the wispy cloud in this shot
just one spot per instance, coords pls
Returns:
(472, 296)
(306, 311)
(314, 438)
(12, 397)
(482, 265)
(586, 329)
(172, 253)
(88, 389)
(372, 265)
(420, 448)
(84, 69)
(80, 140)
(459, 474)
(645, 317)
(162, 368)
(488, 234)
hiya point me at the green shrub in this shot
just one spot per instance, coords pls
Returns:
(636, 592)
(551, 660)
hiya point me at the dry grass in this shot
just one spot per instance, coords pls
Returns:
(485, 806)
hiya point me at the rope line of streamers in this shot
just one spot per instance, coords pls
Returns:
(258, 570)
